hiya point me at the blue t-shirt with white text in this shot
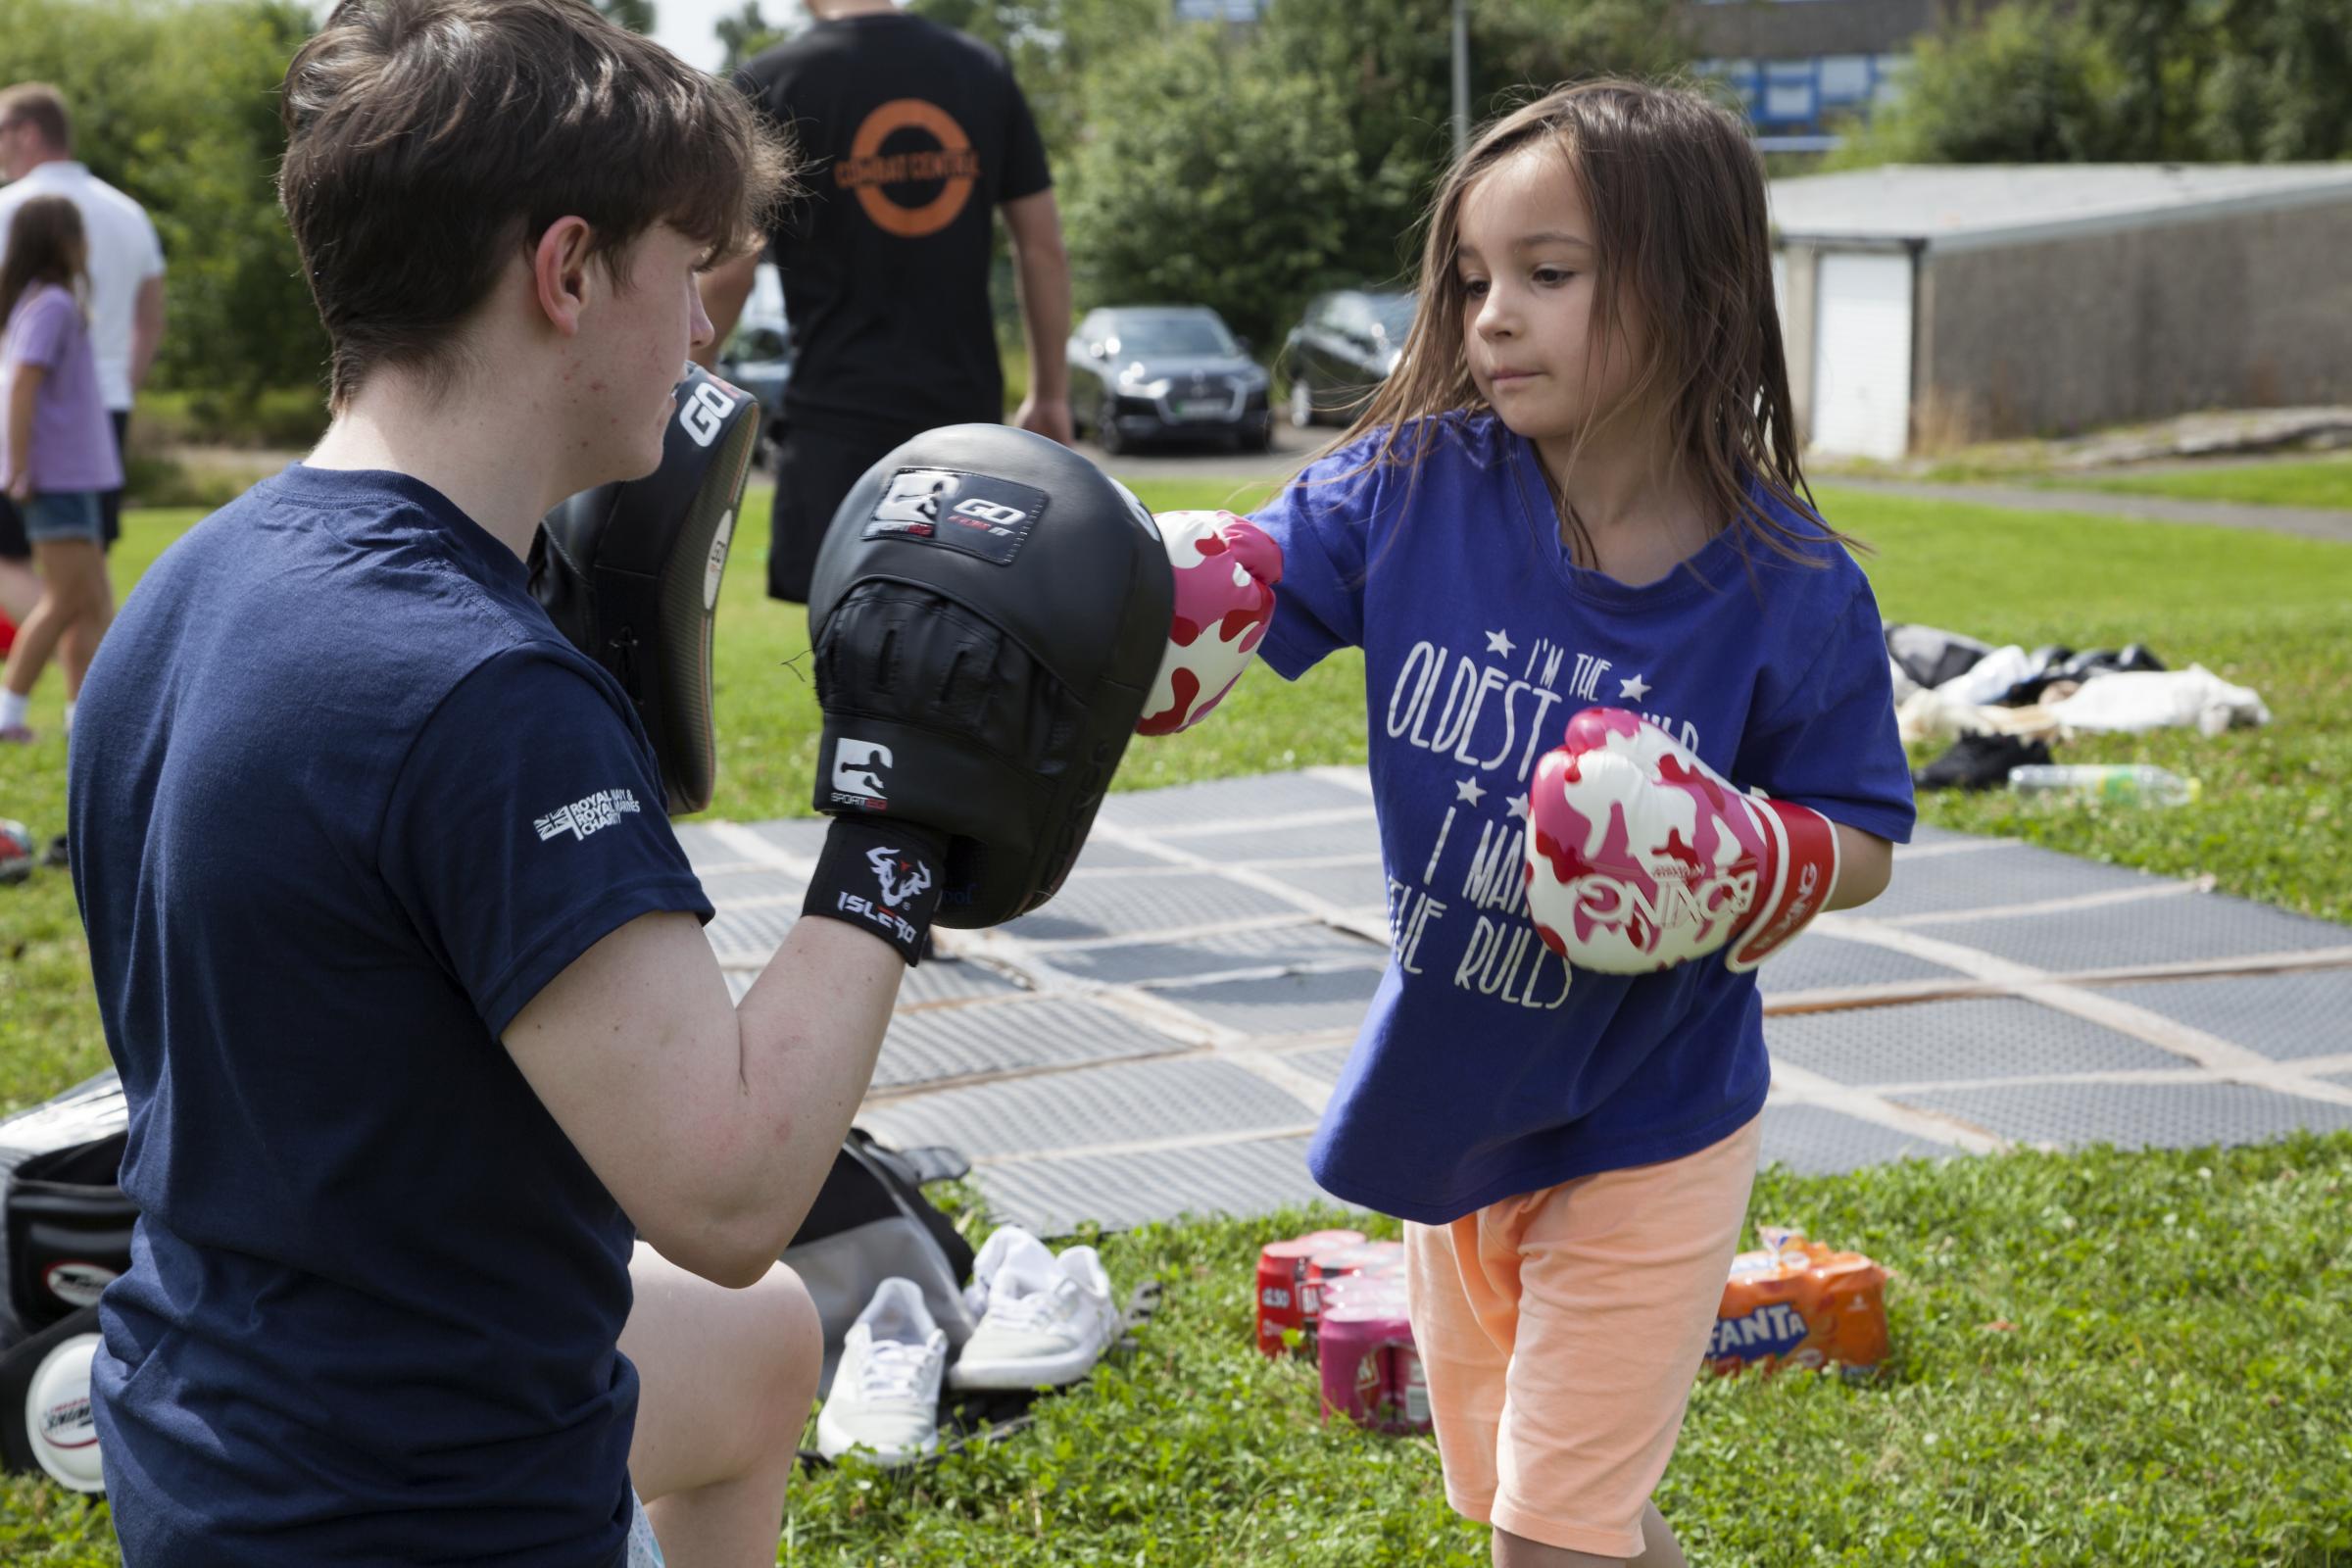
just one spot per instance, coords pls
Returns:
(1486, 1066)
(343, 801)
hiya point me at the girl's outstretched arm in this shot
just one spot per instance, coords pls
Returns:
(1865, 862)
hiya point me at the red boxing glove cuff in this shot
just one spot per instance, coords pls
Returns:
(1803, 873)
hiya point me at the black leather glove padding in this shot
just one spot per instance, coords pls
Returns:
(629, 573)
(980, 671)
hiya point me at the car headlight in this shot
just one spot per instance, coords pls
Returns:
(1249, 377)
(1134, 386)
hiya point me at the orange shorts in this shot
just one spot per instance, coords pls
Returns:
(1560, 1333)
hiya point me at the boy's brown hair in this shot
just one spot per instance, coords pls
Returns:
(44, 244)
(429, 140)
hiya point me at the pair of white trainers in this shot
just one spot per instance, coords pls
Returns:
(1044, 1321)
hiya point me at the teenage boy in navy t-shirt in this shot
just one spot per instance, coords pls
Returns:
(395, 949)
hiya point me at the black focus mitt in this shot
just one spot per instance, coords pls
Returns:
(988, 612)
(629, 573)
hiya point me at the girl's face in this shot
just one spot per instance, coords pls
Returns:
(1525, 268)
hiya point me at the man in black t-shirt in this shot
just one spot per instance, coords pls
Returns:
(911, 135)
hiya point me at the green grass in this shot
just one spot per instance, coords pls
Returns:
(2173, 1386)
(2099, 1359)
(2320, 482)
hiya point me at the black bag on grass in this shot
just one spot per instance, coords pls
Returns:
(872, 1221)
(65, 1224)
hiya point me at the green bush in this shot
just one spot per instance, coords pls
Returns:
(2124, 80)
(277, 418)
(1229, 192)
(175, 101)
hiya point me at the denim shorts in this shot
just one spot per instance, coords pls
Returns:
(53, 516)
(643, 1551)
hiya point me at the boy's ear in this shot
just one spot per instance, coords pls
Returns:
(559, 272)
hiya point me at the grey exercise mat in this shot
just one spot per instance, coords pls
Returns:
(2134, 1115)
(2284, 1016)
(1156, 1039)
(1992, 1037)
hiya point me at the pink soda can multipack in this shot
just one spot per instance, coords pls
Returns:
(1339, 1299)
(1369, 1367)
(1285, 1291)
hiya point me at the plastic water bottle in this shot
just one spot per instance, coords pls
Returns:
(2111, 783)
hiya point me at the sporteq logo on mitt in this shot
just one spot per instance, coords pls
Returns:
(861, 774)
(974, 514)
(912, 503)
(887, 863)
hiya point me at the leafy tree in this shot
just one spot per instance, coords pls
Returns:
(2031, 84)
(749, 31)
(1226, 186)
(2283, 88)
(2146, 80)
(635, 14)
(176, 102)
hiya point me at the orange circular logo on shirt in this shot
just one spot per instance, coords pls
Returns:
(870, 172)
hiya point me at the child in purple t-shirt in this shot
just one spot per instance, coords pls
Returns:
(57, 450)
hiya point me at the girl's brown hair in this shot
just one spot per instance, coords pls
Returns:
(1675, 194)
(45, 244)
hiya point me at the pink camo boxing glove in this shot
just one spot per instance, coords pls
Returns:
(1226, 569)
(1639, 857)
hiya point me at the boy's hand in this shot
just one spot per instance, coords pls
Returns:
(20, 485)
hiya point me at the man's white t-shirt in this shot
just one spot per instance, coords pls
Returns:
(124, 254)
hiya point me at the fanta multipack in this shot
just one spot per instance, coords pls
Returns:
(1798, 1303)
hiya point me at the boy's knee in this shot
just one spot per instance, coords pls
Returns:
(792, 1349)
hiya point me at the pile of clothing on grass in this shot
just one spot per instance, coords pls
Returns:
(2002, 708)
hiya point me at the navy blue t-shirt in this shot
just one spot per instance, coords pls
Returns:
(1487, 1067)
(342, 802)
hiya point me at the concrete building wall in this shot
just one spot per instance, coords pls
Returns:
(2057, 336)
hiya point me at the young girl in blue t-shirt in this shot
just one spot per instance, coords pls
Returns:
(1580, 490)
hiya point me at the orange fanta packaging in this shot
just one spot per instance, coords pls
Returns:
(1800, 1303)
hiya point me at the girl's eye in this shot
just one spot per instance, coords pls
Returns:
(1552, 277)
(1474, 287)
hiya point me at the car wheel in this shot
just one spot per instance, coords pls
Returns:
(1258, 438)
(1302, 403)
(1106, 427)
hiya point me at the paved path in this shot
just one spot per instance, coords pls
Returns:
(2313, 522)
(1161, 1037)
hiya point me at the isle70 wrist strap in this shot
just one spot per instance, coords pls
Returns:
(882, 877)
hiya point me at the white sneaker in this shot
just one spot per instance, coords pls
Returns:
(1006, 1247)
(1044, 1326)
(885, 1394)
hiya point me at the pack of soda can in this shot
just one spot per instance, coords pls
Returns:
(1799, 1302)
(1343, 1296)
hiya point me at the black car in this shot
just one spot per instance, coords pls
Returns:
(1343, 350)
(1142, 373)
(757, 356)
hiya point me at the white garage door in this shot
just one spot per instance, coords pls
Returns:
(1862, 355)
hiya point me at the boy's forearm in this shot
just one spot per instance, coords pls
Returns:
(1044, 291)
